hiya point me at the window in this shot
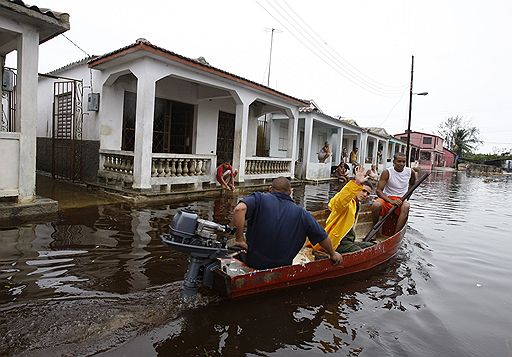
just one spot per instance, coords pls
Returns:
(427, 140)
(129, 108)
(425, 156)
(283, 137)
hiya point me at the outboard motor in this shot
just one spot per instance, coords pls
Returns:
(202, 241)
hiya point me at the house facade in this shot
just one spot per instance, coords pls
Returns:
(22, 29)
(313, 130)
(160, 119)
(430, 148)
(449, 158)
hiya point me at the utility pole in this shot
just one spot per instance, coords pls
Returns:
(408, 150)
(270, 55)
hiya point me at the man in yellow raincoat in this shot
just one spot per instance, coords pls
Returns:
(344, 208)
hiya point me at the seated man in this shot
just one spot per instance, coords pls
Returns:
(276, 227)
(341, 172)
(392, 186)
(344, 208)
(372, 173)
(226, 176)
(324, 153)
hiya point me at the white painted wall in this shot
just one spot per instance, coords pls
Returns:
(207, 123)
(45, 93)
(10, 148)
(279, 128)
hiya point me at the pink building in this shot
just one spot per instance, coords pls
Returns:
(431, 148)
(449, 158)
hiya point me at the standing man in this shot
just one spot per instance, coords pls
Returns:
(276, 227)
(344, 207)
(226, 176)
(392, 186)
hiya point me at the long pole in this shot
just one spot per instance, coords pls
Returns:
(408, 159)
(270, 56)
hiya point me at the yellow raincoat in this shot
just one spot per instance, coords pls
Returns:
(343, 208)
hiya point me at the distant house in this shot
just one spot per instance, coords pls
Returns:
(449, 158)
(155, 118)
(430, 148)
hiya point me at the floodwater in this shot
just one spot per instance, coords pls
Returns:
(97, 280)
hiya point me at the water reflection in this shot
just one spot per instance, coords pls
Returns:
(425, 301)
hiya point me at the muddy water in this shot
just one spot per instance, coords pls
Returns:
(96, 279)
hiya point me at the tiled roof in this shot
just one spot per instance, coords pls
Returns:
(143, 44)
(72, 65)
(378, 131)
(43, 11)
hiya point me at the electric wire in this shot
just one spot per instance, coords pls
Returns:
(88, 55)
(339, 55)
(320, 46)
(339, 69)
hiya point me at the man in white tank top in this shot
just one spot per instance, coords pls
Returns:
(392, 186)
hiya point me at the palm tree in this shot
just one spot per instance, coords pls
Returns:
(465, 140)
(460, 137)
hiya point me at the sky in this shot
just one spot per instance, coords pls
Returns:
(353, 58)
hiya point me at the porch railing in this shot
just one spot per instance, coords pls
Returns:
(182, 168)
(166, 169)
(267, 167)
(116, 165)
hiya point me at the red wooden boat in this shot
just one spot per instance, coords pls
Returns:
(235, 279)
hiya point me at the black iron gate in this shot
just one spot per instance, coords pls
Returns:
(67, 130)
(225, 137)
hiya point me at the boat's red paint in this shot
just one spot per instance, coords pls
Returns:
(264, 280)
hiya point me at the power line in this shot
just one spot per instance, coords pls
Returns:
(338, 54)
(80, 48)
(320, 46)
(337, 66)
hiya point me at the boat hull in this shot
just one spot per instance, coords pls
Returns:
(258, 281)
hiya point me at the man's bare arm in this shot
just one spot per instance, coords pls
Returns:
(383, 180)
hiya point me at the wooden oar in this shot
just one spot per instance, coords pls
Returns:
(377, 225)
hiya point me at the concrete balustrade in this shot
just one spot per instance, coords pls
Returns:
(264, 167)
(166, 169)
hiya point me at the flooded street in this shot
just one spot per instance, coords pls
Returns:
(97, 279)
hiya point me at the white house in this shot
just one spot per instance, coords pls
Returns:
(157, 119)
(314, 129)
(22, 29)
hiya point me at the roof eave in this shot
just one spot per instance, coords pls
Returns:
(100, 63)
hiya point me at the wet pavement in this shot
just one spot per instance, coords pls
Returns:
(97, 279)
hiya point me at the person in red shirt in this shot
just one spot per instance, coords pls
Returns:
(226, 176)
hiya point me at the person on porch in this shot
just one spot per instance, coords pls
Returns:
(226, 176)
(324, 153)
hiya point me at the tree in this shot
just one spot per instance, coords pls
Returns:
(459, 136)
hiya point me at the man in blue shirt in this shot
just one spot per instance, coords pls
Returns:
(276, 227)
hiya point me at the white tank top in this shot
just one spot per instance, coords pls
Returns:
(398, 182)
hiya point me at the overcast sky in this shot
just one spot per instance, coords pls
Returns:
(352, 57)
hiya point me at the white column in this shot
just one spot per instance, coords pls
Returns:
(385, 151)
(363, 142)
(144, 117)
(375, 149)
(252, 132)
(339, 146)
(239, 145)
(26, 111)
(308, 135)
(293, 125)
(2, 64)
